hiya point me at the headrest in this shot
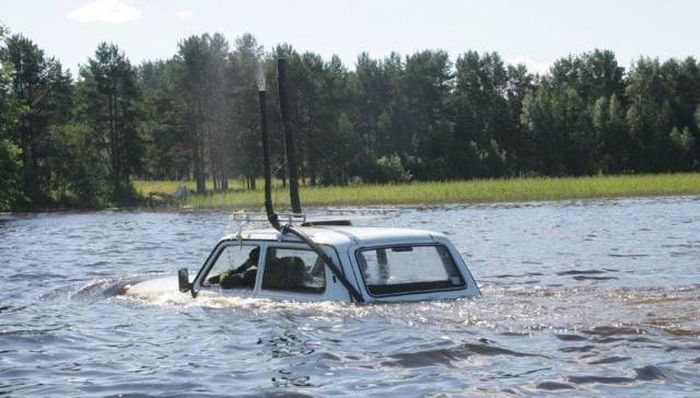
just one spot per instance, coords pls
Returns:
(295, 263)
(285, 272)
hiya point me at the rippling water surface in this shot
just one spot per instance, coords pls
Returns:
(590, 298)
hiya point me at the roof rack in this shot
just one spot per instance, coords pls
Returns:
(342, 222)
(240, 221)
(248, 216)
(367, 210)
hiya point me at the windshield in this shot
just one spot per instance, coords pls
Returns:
(403, 269)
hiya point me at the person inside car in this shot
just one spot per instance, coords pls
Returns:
(242, 276)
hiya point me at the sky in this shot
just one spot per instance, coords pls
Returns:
(534, 32)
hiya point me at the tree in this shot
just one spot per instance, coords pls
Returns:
(421, 137)
(10, 166)
(371, 96)
(310, 68)
(481, 112)
(10, 154)
(611, 135)
(558, 129)
(337, 137)
(683, 143)
(37, 97)
(217, 104)
(593, 74)
(110, 100)
(649, 116)
(244, 141)
(81, 177)
(167, 154)
(396, 118)
(192, 58)
(520, 83)
(203, 83)
(684, 76)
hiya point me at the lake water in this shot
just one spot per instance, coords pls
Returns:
(586, 298)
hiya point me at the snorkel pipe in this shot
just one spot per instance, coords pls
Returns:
(272, 217)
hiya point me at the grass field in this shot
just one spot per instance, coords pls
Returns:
(144, 187)
(423, 193)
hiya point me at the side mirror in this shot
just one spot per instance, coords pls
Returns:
(183, 280)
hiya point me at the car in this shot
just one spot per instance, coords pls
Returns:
(379, 265)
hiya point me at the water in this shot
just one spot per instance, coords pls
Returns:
(589, 298)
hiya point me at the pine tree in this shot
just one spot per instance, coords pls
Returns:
(110, 107)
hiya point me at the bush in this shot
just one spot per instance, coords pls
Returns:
(10, 165)
(391, 169)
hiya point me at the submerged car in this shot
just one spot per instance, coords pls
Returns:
(366, 265)
(324, 259)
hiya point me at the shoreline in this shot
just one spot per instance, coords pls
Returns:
(464, 192)
(422, 194)
(11, 216)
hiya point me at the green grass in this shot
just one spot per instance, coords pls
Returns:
(472, 191)
(146, 187)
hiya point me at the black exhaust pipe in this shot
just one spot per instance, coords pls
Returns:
(288, 137)
(272, 217)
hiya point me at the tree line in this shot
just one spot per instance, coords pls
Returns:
(80, 140)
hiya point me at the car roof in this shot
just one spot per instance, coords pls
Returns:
(343, 235)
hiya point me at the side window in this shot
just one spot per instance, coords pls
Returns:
(234, 266)
(294, 270)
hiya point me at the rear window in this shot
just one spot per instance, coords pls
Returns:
(408, 269)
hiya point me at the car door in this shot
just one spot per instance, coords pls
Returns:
(295, 272)
(227, 257)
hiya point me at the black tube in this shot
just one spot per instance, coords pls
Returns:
(326, 259)
(288, 137)
(293, 181)
(269, 209)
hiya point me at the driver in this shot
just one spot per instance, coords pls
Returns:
(243, 276)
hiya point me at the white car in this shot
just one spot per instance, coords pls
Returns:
(363, 264)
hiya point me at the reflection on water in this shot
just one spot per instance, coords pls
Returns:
(591, 297)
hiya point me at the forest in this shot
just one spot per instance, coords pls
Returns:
(80, 139)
